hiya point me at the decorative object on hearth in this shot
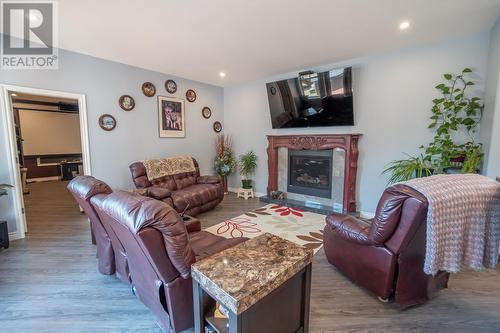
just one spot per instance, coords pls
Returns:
(171, 123)
(171, 86)
(455, 112)
(107, 122)
(126, 102)
(206, 112)
(217, 127)
(278, 195)
(225, 163)
(148, 89)
(247, 164)
(191, 95)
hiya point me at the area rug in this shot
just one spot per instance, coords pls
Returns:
(303, 228)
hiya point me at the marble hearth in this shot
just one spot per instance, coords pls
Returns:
(341, 196)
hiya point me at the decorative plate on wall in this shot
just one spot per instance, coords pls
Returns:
(206, 112)
(148, 89)
(217, 127)
(171, 86)
(126, 102)
(191, 95)
(107, 122)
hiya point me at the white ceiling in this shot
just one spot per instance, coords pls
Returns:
(253, 39)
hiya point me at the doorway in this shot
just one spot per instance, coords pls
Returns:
(48, 142)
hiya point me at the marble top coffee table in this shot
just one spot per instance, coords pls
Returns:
(258, 281)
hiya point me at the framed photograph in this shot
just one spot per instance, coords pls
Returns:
(206, 112)
(191, 95)
(171, 119)
(217, 127)
(148, 89)
(126, 102)
(170, 86)
(107, 122)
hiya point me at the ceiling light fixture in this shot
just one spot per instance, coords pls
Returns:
(13, 95)
(404, 25)
(222, 74)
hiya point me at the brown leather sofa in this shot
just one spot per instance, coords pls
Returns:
(160, 252)
(202, 193)
(111, 255)
(386, 255)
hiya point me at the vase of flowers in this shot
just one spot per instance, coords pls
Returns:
(225, 162)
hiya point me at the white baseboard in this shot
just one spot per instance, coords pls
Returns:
(42, 179)
(235, 190)
(15, 235)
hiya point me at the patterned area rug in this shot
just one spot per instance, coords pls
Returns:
(303, 228)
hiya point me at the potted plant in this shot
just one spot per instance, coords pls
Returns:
(247, 163)
(455, 111)
(406, 169)
(3, 189)
(224, 160)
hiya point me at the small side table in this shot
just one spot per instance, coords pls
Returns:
(245, 193)
(257, 281)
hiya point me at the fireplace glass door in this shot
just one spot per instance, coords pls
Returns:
(310, 172)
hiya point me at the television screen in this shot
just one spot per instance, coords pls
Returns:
(312, 99)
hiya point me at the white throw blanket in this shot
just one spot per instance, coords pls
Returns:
(463, 221)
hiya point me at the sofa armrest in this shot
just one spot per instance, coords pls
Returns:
(350, 228)
(192, 225)
(208, 180)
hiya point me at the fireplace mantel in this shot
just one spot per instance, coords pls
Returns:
(346, 142)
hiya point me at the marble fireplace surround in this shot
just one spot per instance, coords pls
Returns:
(346, 142)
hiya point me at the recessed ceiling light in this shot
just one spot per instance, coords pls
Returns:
(404, 25)
(222, 74)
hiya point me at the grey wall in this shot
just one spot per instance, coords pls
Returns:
(490, 126)
(136, 135)
(393, 94)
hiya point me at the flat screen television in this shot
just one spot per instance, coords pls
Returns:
(312, 100)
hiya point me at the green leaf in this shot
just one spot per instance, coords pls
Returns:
(447, 76)
(467, 70)
(469, 83)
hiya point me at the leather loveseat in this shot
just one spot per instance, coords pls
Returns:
(386, 255)
(160, 252)
(201, 193)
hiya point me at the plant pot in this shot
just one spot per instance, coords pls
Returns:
(224, 184)
(246, 183)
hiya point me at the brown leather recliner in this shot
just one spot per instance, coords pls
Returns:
(202, 193)
(386, 255)
(110, 252)
(83, 188)
(160, 252)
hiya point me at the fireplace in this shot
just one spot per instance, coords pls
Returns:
(337, 186)
(310, 172)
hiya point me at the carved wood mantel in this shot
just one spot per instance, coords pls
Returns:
(347, 142)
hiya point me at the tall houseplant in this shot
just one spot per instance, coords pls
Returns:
(247, 163)
(225, 162)
(455, 111)
(3, 189)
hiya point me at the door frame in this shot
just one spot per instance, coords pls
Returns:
(7, 117)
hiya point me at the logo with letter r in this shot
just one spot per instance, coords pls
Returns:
(28, 34)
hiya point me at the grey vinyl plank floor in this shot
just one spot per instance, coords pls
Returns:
(49, 283)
